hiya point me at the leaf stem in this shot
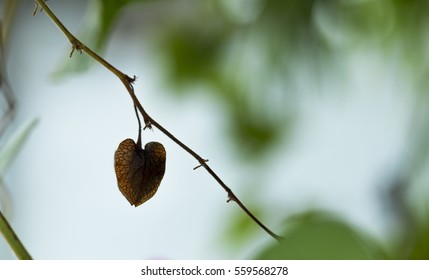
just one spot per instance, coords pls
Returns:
(127, 81)
(13, 240)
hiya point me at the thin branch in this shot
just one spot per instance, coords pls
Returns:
(13, 240)
(128, 81)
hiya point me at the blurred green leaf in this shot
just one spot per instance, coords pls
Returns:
(109, 11)
(14, 144)
(7, 154)
(241, 228)
(193, 54)
(420, 249)
(255, 135)
(321, 236)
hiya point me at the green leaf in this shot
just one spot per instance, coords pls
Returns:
(14, 144)
(192, 54)
(420, 248)
(321, 236)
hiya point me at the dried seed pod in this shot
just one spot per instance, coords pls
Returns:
(139, 171)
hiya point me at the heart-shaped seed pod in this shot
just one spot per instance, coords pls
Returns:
(139, 171)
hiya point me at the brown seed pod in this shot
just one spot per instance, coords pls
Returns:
(139, 171)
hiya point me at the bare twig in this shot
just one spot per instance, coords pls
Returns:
(149, 121)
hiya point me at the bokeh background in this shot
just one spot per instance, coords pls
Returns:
(315, 113)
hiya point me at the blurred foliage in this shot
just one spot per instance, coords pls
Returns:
(14, 144)
(420, 248)
(246, 54)
(98, 22)
(316, 235)
(241, 229)
(319, 235)
(8, 153)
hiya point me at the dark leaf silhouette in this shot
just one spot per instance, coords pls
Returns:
(139, 171)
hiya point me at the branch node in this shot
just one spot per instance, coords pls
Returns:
(148, 125)
(131, 80)
(76, 46)
(36, 8)
(231, 197)
(202, 162)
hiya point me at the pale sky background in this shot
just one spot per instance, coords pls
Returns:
(66, 204)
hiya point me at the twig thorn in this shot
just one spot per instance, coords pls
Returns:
(203, 162)
(148, 125)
